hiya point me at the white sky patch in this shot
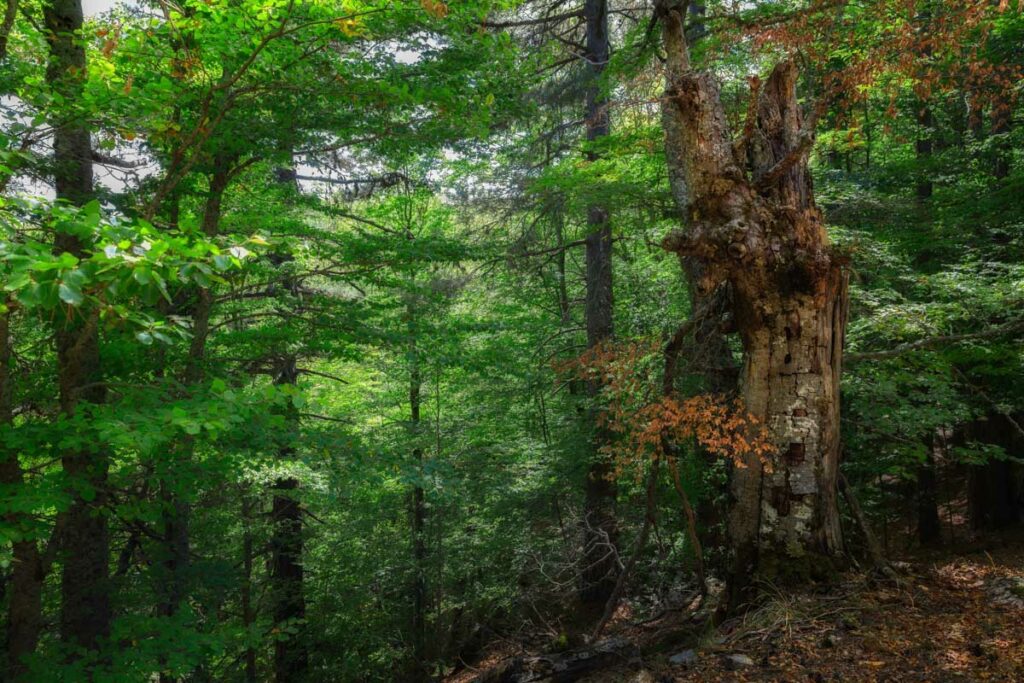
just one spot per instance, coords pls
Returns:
(93, 7)
(118, 179)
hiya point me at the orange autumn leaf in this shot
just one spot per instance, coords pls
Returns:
(643, 421)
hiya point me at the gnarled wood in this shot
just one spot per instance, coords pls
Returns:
(753, 225)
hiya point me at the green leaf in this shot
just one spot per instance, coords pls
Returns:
(70, 294)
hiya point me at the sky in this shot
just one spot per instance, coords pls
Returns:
(93, 7)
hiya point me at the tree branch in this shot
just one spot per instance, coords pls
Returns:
(1008, 328)
(532, 22)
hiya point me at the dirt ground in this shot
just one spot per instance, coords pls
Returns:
(949, 618)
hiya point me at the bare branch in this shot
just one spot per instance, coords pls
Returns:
(944, 340)
(533, 22)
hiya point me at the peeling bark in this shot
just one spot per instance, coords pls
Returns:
(753, 226)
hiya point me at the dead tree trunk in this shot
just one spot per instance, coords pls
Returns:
(753, 225)
(600, 530)
(711, 358)
(85, 593)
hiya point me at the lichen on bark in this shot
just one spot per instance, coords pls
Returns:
(753, 226)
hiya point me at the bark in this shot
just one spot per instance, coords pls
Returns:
(923, 149)
(875, 552)
(929, 528)
(6, 24)
(85, 604)
(925, 119)
(417, 511)
(24, 614)
(975, 116)
(248, 612)
(710, 356)
(995, 489)
(291, 656)
(564, 308)
(754, 227)
(177, 512)
(1002, 120)
(600, 529)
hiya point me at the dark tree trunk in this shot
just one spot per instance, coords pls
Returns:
(995, 490)
(248, 610)
(176, 510)
(991, 496)
(923, 149)
(291, 655)
(564, 306)
(1002, 120)
(600, 529)
(929, 528)
(85, 605)
(6, 24)
(417, 509)
(25, 609)
(754, 227)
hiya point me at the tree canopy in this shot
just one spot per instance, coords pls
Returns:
(357, 340)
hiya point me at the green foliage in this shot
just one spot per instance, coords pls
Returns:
(403, 219)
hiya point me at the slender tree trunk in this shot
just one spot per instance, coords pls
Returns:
(291, 654)
(6, 24)
(1002, 120)
(417, 508)
(929, 528)
(176, 509)
(995, 489)
(754, 227)
(248, 611)
(85, 605)
(564, 309)
(25, 609)
(564, 306)
(923, 149)
(711, 356)
(600, 565)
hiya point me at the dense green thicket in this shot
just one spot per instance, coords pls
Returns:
(333, 264)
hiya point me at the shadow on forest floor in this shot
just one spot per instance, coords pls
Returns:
(952, 617)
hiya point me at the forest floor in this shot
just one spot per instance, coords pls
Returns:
(949, 618)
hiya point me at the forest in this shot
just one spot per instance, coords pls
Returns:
(511, 340)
